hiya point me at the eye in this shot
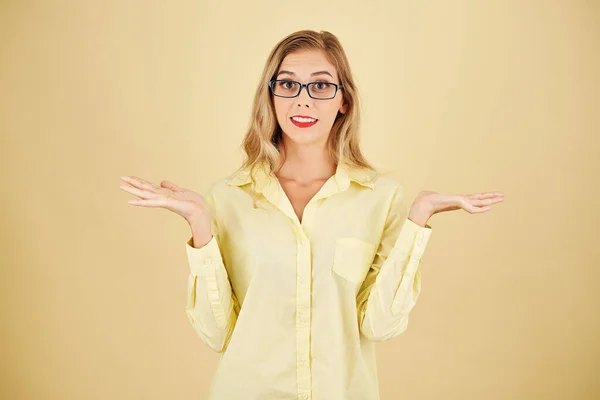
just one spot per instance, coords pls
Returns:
(286, 84)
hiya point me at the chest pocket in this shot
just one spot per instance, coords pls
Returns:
(352, 258)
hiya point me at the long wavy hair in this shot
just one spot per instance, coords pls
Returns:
(263, 136)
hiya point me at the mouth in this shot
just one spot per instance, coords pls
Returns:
(303, 122)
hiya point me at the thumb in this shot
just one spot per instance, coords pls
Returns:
(170, 185)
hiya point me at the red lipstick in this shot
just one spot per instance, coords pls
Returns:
(303, 124)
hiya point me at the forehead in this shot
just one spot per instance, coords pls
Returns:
(304, 62)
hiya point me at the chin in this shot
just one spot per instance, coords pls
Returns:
(304, 137)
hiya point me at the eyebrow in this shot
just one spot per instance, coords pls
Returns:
(313, 74)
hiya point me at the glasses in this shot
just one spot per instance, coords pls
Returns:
(317, 90)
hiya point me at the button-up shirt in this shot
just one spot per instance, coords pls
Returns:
(296, 307)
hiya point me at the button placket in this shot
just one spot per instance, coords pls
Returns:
(303, 311)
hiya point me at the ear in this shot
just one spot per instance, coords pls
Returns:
(344, 108)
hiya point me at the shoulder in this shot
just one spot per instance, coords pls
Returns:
(229, 184)
(391, 193)
(387, 186)
(220, 186)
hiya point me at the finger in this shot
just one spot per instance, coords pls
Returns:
(141, 184)
(157, 202)
(138, 192)
(148, 185)
(477, 210)
(487, 195)
(171, 185)
(486, 202)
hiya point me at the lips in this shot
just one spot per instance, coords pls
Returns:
(303, 124)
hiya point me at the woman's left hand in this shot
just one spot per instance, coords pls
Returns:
(428, 203)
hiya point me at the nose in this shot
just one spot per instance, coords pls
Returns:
(303, 98)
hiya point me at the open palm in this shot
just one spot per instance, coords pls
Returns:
(182, 201)
(472, 203)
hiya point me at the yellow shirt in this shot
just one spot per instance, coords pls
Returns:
(295, 308)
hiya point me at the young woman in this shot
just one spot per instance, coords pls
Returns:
(304, 257)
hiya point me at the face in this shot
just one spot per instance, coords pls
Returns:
(307, 66)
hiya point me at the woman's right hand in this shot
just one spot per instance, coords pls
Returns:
(190, 205)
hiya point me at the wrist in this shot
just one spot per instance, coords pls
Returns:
(419, 214)
(201, 238)
(201, 232)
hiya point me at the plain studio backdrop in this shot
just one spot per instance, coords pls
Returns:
(458, 97)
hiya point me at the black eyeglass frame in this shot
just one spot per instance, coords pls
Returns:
(302, 85)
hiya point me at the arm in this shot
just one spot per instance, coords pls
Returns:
(393, 284)
(211, 305)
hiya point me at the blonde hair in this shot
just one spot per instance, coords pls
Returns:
(264, 134)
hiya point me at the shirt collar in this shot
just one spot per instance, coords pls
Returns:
(343, 176)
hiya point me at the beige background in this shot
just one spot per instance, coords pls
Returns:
(458, 97)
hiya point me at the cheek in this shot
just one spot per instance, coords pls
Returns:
(330, 112)
(281, 110)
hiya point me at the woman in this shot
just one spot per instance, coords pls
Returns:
(305, 257)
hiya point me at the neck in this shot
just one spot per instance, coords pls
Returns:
(305, 163)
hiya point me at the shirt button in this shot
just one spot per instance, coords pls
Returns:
(303, 358)
(304, 242)
(305, 396)
(207, 261)
(302, 280)
(304, 318)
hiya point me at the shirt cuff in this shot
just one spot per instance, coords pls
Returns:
(204, 260)
(412, 240)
